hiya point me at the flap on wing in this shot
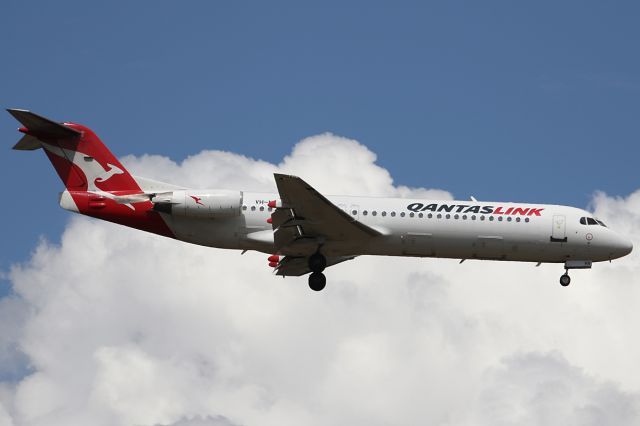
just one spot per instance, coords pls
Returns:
(295, 266)
(313, 214)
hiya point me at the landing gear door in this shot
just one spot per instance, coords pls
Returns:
(559, 231)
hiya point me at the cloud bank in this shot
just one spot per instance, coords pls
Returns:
(118, 327)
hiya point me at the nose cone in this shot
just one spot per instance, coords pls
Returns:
(623, 246)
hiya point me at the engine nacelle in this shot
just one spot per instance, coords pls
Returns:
(200, 203)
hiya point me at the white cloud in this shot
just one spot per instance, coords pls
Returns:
(120, 327)
(332, 164)
(544, 389)
(203, 421)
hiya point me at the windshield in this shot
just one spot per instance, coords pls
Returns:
(591, 221)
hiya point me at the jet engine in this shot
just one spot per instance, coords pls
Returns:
(203, 204)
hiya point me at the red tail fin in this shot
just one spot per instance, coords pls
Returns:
(96, 182)
(82, 161)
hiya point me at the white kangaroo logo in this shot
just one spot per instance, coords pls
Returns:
(93, 171)
(113, 170)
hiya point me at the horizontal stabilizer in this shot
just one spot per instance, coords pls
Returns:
(27, 143)
(41, 127)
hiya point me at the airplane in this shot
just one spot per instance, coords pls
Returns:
(303, 231)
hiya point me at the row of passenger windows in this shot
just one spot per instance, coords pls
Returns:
(591, 221)
(440, 216)
(253, 208)
(421, 215)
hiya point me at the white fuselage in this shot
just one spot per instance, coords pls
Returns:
(424, 228)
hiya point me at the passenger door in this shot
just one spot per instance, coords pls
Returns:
(559, 230)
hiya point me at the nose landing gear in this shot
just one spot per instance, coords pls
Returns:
(565, 279)
(317, 262)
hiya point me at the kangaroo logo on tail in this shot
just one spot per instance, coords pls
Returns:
(94, 172)
(113, 170)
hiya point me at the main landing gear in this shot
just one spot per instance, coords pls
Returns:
(317, 263)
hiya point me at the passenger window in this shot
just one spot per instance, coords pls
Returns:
(509, 219)
(420, 215)
(393, 214)
(473, 217)
(244, 207)
(526, 219)
(430, 215)
(374, 213)
(500, 219)
(354, 212)
(384, 214)
(464, 217)
(412, 214)
(402, 214)
(253, 208)
(491, 218)
(583, 221)
(364, 212)
(439, 216)
(456, 217)
(517, 219)
(448, 216)
(261, 208)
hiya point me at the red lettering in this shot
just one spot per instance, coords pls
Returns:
(535, 212)
(498, 210)
(509, 210)
(520, 210)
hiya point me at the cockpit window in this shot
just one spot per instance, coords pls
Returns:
(591, 221)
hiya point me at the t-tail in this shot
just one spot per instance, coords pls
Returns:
(96, 183)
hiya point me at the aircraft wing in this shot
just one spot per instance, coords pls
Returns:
(304, 213)
(291, 266)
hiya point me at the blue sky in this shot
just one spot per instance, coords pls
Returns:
(501, 100)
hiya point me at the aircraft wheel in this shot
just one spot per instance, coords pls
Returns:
(317, 262)
(565, 280)
(317, 281)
